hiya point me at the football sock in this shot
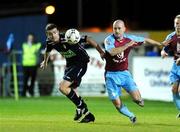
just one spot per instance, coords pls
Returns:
(176, 99)
(75, 99)
(124, 110)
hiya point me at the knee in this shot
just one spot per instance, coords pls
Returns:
(62, 88)
(117, 104)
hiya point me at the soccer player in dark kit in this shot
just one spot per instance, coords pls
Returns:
(76, 66)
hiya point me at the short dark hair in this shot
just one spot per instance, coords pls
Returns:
(50, 26)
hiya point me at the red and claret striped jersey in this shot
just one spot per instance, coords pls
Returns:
(119, 62)
(174, 45)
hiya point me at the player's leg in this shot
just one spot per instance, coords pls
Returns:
(176, 97)
(71, 94)
(136, 96)
(123, 109)
(82, 112)
(25, 80)
(131, 87)
(174, 80)
(72, 79)
(79, 111)
(33, 79)
(114, 91)
(178, 115)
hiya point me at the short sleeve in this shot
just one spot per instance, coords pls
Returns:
(135, 38)
(138, 39)
(109, 43)
(170, 36)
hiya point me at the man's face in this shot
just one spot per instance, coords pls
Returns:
(177, 25)
(119, 29)
(30, 38)
(53, 35)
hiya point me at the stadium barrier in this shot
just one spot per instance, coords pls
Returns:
(151, 75)
(93, 81)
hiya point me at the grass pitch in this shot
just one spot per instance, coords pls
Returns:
(55, 114)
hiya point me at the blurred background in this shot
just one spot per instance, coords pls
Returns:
(18, 18)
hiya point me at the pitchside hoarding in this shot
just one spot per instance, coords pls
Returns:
(151, 74)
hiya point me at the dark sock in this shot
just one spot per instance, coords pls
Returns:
(83, 104)
(75, 99)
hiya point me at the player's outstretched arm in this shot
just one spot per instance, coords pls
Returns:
(95, 45)
(152, 42)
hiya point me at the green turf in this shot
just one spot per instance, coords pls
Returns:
(55, 114)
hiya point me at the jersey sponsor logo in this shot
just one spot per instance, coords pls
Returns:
(68, 54)
(119, 61)
(119, 58)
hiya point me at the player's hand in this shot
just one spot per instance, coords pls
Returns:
(163, 54)
(166, 42)
(43, 65)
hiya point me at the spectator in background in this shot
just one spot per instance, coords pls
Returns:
(31, 50)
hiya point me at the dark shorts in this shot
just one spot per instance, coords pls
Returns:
(74, 74)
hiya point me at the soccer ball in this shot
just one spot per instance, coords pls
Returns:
(72, 36)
